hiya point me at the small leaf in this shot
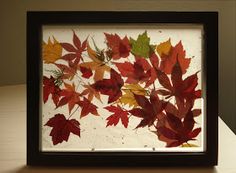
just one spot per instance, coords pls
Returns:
(52, 51)
(86, 72)
(164, 48)
(141, 46)
(119, 114)
(87, 107)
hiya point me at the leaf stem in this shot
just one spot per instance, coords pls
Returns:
(73, 112)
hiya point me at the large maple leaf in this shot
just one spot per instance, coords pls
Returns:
(120, 48)
(97, 64)
(75, 50)
(183, 90)
(110, 87)
(177, 132)
(150, 110)
(170, 55)
(52, 51)
(61, 128)
(118, 114)
(49, 87)
(69, 96)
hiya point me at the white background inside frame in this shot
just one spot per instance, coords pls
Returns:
(95, 136)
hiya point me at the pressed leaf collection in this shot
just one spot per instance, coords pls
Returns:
(139, 79)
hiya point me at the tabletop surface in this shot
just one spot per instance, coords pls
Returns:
(13, 143)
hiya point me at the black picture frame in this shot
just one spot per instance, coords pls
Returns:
(35, 20)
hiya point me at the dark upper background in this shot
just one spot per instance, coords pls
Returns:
(13, 36)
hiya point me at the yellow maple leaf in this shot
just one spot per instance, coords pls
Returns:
(164, 48)
(189, 145)
(128, 97)
(97, 64)
(136, 89)
(52, 51)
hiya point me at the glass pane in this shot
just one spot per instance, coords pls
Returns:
(123, 88)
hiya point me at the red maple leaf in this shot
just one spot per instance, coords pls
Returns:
(86, 72)
(69, 96)
(49, 87)
(110, 87)
(140, 71)
(119, 114)
(87, 107)
(178, 132)
(181, 110)
(119, 47)
(150, 111)
(61, 128)
(75, 50)
(176, 53)
(68, 71)
(183, 90)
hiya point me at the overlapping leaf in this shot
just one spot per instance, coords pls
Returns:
(50, 88)
(128, 98)
(87, 107)
(110, 87)
(97, 64)
(170, 55)
(69, 96)
(150, 111)
(183, 90)
(120, 48)
(178, 132)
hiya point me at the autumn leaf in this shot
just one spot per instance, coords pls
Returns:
(61, 128)
(178, 131)
(183, 90)
(75, 50)
(141, 71)
(68, 72)
(141, 47)
(150, 110)
(176, 53)
(128, 96)
(86, 72)
(120, 48)
(98, 64)
(164, 48)
(49, 87)
(69, 96)
(91, 92)
(87, 107)
(136, 89)
(52, 51)
(119, 114)
(110, 87)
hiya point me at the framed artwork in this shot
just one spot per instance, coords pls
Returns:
(122, 88)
